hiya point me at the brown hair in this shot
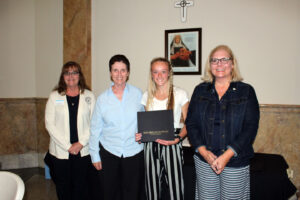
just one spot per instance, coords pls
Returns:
(62, 87)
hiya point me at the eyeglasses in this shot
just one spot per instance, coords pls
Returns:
(71, 73)
(215, 61)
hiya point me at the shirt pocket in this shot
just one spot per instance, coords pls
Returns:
(238, 106)
(202, 105)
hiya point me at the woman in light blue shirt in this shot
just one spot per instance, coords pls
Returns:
(113, 128)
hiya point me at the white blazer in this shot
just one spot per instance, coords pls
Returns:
(58, 127)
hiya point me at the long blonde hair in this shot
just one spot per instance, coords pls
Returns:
(152, 86)
(235, 74)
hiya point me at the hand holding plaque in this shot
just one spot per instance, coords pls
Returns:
(156, 125)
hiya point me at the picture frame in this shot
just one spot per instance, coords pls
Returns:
(183, 50)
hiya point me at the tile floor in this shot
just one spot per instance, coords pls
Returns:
(39, 188)
(36, 186)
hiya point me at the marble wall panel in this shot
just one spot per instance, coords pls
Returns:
(23, 133)
(18, 126)
(17, 161)
(77, 34)
(279, 133)
(42, 134)
(24, 139)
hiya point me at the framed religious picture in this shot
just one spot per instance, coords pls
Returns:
(183, 50)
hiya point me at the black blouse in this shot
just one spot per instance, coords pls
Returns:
(73, 103)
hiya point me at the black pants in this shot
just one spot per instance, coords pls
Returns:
(70, 177)
(122, 178)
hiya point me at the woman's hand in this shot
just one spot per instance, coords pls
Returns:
(75, 148)
(98, 165)
(167, 142)
(138, 137)
(220, 163)
(207, 155)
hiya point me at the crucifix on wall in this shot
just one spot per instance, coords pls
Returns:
(183, 4)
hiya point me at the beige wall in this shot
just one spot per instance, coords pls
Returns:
(49, 45)
(264, 34)
(30, 47)
(17, 48)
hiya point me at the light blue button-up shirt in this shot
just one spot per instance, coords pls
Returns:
(114, 123)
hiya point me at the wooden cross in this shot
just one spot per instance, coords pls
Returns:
(183, 4)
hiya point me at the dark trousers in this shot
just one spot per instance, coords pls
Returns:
(122, 178)
(70, 177)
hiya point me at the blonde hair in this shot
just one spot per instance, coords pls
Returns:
(235, 74)
(152, 86)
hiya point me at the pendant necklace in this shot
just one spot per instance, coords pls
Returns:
(72, 100)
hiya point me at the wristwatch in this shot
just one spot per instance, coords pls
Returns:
(180, 138)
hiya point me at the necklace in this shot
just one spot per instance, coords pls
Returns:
(73, 100)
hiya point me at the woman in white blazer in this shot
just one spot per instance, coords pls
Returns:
(67, 116)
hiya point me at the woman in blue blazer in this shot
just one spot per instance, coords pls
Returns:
(222, 123)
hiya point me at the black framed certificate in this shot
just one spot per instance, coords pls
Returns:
(157, 124)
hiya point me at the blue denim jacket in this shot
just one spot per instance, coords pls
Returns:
(239, 120)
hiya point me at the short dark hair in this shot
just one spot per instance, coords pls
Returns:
(62, 87)
(119, 58)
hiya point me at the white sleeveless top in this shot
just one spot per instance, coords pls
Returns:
(180, 98)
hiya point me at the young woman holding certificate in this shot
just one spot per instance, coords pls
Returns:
(163, 158)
